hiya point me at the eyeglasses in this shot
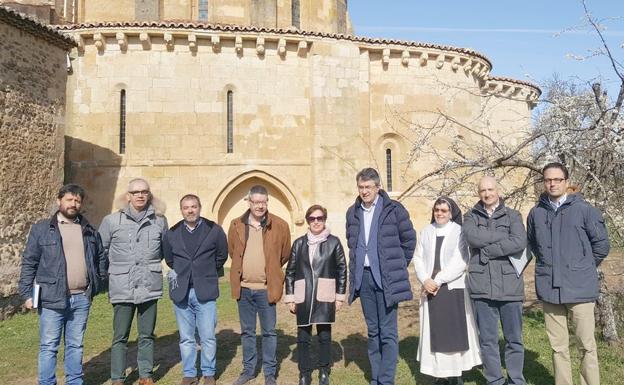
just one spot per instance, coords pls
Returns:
(367, 187)
(312, 219)
(139, 192)
(553, 180)
(258, 203)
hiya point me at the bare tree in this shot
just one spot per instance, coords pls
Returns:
(576, 123)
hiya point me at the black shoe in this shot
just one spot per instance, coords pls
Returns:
(324, 376)
(305, 379)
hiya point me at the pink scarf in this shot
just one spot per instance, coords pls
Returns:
(315, 240)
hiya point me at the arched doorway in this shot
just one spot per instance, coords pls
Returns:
(231, 203)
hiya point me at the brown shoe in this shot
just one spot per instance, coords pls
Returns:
(189, 381)
(146, 381)
(117, 383)
(209, 380)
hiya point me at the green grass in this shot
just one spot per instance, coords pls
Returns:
(19, 348)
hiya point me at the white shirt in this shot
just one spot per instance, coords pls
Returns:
(556, 205)
(368, 214)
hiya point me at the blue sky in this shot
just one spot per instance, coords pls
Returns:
(521, 38)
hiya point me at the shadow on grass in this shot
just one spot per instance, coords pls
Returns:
(97, 369)
(166, 356)
(354, 348)
(227, 343)
(284, 342)
(408, 349)
(534, 371)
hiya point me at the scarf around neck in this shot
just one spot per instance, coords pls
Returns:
(315, 240)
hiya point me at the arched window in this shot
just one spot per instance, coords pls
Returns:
(389, 169)
(202, 10)
(296, 15)
(122, 121)
(230, 122)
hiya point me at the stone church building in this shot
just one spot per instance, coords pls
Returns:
(213, 96)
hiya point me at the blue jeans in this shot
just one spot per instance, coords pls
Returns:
(72, 322)
(254, 302)
(192, 314)
(487, 314)
(383, 335)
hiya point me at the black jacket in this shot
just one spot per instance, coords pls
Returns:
(492, 240)
(43, 260)
(315, 288)
(205, 263)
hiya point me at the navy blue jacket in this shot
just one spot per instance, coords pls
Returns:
(204, 263)
(396, 242)
(43, 260)
(568, 245)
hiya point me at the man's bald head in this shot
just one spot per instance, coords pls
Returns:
(489, 192)
(489, 181)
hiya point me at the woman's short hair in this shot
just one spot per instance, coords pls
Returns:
(313, 208)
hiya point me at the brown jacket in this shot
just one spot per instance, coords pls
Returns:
(276, 240)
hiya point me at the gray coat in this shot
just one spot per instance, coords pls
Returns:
(568, 245)
(492, 240)
(134, 252)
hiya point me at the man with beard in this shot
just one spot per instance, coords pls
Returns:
(259, 245)
(63, 267)
(132, 238)
(195, 249)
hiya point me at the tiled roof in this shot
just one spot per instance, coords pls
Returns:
(46, 32)
(521, 82)
(252, 29)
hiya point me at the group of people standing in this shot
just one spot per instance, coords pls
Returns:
(470, 268)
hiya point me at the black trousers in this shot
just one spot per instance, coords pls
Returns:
(304, 335)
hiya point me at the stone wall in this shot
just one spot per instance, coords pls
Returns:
(33, 74)
(329, 16)
(309, 112)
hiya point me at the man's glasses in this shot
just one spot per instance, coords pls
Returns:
(139, 192)
(553, 180)
(312, 219)
(258, 203)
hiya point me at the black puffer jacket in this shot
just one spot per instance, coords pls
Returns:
(315, 287)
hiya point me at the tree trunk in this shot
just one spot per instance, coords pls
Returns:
(606, 314)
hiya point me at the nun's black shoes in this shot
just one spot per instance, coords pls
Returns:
(448, 381)
(305, 379)
(324, 376)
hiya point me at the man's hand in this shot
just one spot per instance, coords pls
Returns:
(28, 304)
(339, 305)
(292, 307)
(431, 286)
